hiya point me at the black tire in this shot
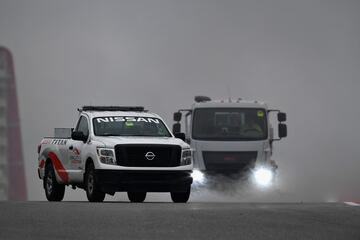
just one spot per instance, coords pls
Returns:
(181, 197)
(93, 192)
(136, 196)
(54, 191)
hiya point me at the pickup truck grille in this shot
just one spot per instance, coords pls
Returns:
(229, 161)
(133, 155)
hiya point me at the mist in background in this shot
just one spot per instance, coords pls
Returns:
(302, 57)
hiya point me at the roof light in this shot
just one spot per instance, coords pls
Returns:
(113, 108)
(202, 99)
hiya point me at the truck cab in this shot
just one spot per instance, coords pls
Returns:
(231, 136)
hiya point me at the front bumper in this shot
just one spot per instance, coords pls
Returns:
(143, 181)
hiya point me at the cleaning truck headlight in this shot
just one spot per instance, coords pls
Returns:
(106, 155)
(198, 176)
(263, 176)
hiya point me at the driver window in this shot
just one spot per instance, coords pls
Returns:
(82, 126)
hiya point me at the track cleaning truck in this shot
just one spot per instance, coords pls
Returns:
(231, 137)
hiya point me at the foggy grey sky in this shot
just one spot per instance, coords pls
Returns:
(300, 56)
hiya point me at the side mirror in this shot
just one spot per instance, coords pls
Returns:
(282, 130)
(79, 136)
(177, 116)
(180, 135)
(176, 128)
(281, 117)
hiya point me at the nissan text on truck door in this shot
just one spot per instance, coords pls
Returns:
(116, 149)
(231, 137)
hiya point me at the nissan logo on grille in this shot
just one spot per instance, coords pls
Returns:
(150, 156)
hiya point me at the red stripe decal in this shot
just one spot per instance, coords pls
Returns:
(59, 167)
(42, 164)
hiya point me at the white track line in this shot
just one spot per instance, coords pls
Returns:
(352, 204)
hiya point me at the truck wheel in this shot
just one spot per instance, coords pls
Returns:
(136, 196)
(93, 192)
(53, 190)
(180, 197)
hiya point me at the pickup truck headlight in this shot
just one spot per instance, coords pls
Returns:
(106, 155)
(186, 156)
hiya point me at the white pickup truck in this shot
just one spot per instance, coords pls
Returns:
(116, 149)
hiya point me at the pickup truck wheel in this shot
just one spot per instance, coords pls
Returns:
(136, 196)
(181, 197)
(53, 190)
(93, 192)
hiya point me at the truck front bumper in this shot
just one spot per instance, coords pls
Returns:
(143, 181)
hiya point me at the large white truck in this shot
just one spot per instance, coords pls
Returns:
(231, 137)
(116, 149)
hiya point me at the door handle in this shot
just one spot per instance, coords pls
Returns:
(71, 147)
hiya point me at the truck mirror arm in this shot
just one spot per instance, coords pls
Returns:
(275, 140)
(281, 115)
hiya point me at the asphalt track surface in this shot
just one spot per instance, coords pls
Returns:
(122, 220)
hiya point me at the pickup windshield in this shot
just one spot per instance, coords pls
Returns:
(229, 124)
(129, 126)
